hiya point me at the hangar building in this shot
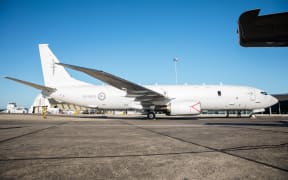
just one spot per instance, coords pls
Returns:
(281, 107)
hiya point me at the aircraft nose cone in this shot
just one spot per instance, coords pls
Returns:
(273, 100)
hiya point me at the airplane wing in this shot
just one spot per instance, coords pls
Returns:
(146, 96)
(37, 86)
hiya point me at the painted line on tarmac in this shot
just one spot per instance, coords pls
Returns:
(33, 132)
(105, 156)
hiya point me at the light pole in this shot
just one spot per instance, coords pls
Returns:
(175, 60)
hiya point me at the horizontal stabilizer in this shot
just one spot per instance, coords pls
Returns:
(37, 86)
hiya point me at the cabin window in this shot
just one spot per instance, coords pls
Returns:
(219, 93)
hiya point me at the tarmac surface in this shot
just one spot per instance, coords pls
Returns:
(135, 148)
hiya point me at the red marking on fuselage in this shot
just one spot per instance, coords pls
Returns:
(194, 107)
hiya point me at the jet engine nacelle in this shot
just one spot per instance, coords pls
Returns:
(184, 108)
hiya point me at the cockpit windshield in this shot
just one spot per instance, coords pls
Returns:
(264, 93)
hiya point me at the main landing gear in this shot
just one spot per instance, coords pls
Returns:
(151, 115)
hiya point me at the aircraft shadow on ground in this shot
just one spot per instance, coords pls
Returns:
(141, 117)
(275, 124)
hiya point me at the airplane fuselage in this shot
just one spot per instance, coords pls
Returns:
(211, 97)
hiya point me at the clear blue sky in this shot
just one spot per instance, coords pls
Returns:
(137, 40)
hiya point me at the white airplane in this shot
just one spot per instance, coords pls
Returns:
(123, 94)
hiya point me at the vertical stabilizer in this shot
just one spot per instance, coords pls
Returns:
(53, 74)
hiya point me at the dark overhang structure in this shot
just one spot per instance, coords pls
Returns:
(263, 31)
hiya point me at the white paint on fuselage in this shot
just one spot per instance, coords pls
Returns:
(105, 97)
(211, 97)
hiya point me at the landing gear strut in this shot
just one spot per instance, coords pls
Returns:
(151, 115)
(227, 114)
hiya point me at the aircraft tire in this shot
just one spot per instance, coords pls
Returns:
(151, 115)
